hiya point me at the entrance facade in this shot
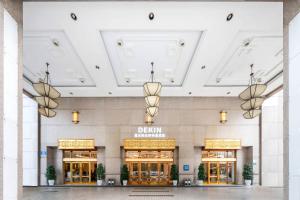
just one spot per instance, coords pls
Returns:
(79, 167)
(79, 161)
(149, 161)
(149, 167)
(220, 166)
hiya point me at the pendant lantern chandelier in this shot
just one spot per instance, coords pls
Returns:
(152, 88)
(152, 101)
(47, 112)
(152, 111)
(152, 91)
(44, 88)
(148, 119)
(251, 97)
(47, 100)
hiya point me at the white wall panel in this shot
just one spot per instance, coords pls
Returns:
(30, 142)
(10, 128)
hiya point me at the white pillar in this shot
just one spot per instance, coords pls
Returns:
(293, 109)
(11, 100)
(12, 176)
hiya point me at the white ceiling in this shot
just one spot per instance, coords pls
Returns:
(195, 50)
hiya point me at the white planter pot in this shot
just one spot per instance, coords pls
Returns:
(174, 182)
(200, 182)
(248, 183)
(99, 182)
(124, 182)
(51, 182)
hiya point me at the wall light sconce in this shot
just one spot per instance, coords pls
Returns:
(223, 117)
(75, 117)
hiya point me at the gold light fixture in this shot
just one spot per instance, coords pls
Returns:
(47, 100)
(152, 88)
(251, 97)
(152, 111)
(44, 87)
(223, 117)
(148, 119)
(75, 117)
(252, 113)
(152, 94)
(152, 101)
(46, 112)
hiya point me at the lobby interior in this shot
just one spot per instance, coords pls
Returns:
(149, 100)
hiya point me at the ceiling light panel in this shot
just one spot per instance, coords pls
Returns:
(138, 49)
(66, 66)
(261, 49)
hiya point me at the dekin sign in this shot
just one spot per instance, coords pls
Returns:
(149, 132)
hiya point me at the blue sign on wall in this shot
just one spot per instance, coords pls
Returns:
(186, 168)
(43, 153)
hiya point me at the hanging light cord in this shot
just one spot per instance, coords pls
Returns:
(47, 73)
(152, 72)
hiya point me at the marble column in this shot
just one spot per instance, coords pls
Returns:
(291, 137)
(11, 71)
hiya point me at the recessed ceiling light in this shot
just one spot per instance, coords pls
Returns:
(97, 67)
(151, 16)
(229, 17)
(55, 42)
(190, 93)
(172, 80)
(181, 43)
(71, 93)
(246, 43)
(73, 16)
(120, 43)
(228, 92)
(109, 93)
(82, 80)
(203, 67)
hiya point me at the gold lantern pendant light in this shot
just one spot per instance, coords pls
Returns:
(152, 88)
(152, 94)
(252, 97)
(47, 100)
(148, 119)
(44, 88)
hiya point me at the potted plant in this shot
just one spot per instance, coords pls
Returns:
(174, 174)
(124, 175)
(248, 174)
(201, 174)
(51, 175)
(100, 174)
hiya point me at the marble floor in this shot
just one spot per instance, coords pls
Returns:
(154, 193)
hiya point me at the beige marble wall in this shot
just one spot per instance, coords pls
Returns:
(188, 120)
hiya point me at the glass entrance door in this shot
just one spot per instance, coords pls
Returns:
(220, 172)
(80, 172)
(144, 173)
(154, 176)
(213, 172)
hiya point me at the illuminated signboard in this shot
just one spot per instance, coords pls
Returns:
(149, 132)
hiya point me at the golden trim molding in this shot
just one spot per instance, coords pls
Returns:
(218, 159)
(222, 144)
(149, 144)
(76, 144)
